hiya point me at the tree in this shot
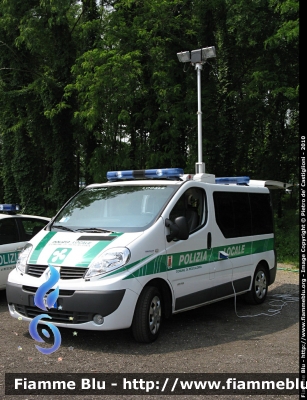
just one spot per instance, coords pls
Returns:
(35, 71)
(86, 87)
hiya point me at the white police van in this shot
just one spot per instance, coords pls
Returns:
(15, 231)
(145, 245)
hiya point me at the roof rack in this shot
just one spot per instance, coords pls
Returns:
(270, 184)
(245, 180)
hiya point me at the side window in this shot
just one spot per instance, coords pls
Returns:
(262, 218)
(232, 213)
(8, 231)
(242, 213)
(30, 227)
(192, 206)
(224, 213)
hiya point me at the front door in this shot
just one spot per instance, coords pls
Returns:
(195, 269)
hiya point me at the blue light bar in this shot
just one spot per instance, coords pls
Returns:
(145, 174)
(9, 207)
(236, 180)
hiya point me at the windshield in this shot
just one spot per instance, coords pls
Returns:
(114, 208)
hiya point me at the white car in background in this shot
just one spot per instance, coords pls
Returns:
(15, 231)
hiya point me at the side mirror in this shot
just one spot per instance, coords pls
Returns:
(178, 229)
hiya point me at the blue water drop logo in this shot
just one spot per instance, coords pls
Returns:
(44, 301)
(34, 333)
(39, 298)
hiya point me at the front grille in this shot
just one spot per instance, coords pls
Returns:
(62, 292)
(67, 317)
(65, 272)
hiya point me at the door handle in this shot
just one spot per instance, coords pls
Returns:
(19, 248)
(209, 240)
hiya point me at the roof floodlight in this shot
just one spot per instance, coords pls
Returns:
(208, 52)
(196, 56)
(184, 56)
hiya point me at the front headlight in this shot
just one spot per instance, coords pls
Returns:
(23, 258)
(108, 261)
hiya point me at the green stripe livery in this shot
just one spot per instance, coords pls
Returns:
(38, 249)
(92, 253)
(9, 258)
(198, 257)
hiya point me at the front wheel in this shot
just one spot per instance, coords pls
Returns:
(259, 289)
(148, 315)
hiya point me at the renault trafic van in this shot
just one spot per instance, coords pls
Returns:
(145, 245)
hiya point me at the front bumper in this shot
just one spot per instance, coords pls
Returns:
(75, 308)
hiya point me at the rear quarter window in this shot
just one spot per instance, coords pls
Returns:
(243, 214)
(262, 217)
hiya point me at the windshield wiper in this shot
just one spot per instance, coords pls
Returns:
(99, 230)
(64, 228)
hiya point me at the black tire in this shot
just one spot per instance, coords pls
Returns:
(147, 315)
(260, 284)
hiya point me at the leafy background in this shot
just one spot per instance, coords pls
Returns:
(91, 86)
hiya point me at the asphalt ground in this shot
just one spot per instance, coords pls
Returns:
(229, 337)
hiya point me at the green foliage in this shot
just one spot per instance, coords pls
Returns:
(36, 70)
(287, 237)
(286, 218)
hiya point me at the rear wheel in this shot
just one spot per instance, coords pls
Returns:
(259, 289)
(148, 315)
